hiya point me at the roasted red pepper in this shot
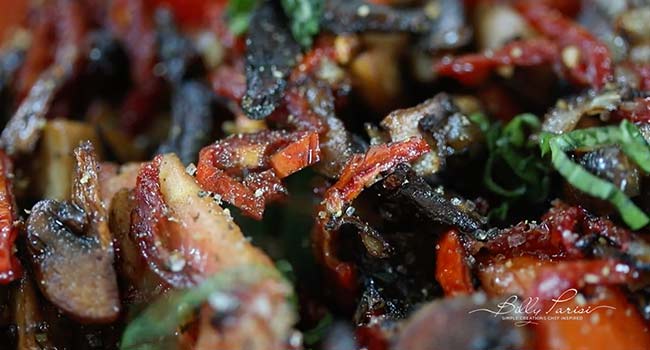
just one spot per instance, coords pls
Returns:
(474, 69)
(10, 268)
(246, 170)
(452, 271)
(359, 172)
(588, 61)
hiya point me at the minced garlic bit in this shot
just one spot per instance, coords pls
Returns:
(571, 56)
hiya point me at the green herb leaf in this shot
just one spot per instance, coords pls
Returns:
(305, 16)
(239, 14)
(156, 326)
(632, 143)
(513, 156)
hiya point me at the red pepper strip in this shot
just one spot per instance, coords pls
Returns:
(10, 268)
(148, 220)
(296, 156)
(237, 168)
(637, 111)
(361, 170)
(555, 279)
(594, 65)
(474, 69)
(452, 271)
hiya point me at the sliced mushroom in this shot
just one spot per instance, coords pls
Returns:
(54, 168)
(71, 247)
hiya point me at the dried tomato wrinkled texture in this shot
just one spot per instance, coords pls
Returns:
(246, 170)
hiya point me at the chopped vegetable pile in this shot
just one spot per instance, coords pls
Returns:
(325, 174)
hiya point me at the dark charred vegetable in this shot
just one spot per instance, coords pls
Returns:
(440, 122)
(611, 164)
(271, 52)
(355, 16)
(451, 324)
(405, 194)
(71, 248)
(179, 58)
(192, 121)
(360, 172)
(192, 100)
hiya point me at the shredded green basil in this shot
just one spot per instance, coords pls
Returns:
(631, 142)
(157, 325)
(239, 14)
(514, 155)
(305, 18)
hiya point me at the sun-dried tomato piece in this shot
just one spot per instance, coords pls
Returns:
(245, 169)
(587, 60)
(452, 271)
(362, 170)
(474, 69)
(10, 268)
(296, 156)
(564, 231)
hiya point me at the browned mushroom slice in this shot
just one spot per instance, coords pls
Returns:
(71, 248)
